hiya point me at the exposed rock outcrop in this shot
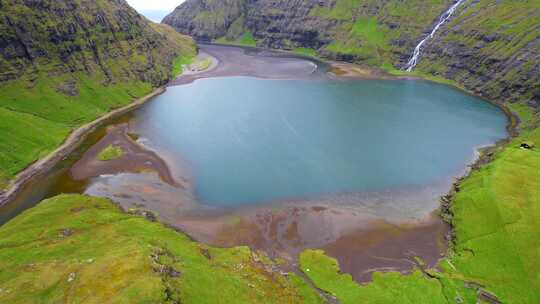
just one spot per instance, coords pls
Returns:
(206, 20)
(489, 51)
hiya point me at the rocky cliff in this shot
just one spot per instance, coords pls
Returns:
(89, 36)
(489, 46)
(492, 48)
(206, 20)
(371, 30)
(65, 62)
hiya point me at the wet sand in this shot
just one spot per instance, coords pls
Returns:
(231, 61)
(364, 232)
(236, 61)
(388, 247)
(134, 159)
(361, 243)
(359, 237)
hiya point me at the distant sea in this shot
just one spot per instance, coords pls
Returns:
(155, 15)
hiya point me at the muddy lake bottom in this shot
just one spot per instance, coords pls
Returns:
(274, 153)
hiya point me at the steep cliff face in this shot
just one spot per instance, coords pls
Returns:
(89, 36)
(378, 31)
(491, 47)
(206, 19)
(65, 62)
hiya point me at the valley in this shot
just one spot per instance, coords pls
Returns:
(140, 166)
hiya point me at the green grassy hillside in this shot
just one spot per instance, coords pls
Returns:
(74, 249)
(64, 63)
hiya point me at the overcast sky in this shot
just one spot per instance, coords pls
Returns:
(154, 5)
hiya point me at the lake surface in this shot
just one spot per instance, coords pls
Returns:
(273, 152)
(249, 141)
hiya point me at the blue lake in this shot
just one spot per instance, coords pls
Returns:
(249, 140)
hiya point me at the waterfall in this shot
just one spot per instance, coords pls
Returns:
(444, 17)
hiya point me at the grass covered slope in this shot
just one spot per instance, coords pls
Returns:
(246, 39)
(80, 249)
(497, 223)
(64, 63)
(495, 254)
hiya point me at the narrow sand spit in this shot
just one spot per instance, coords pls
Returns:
(134, 159)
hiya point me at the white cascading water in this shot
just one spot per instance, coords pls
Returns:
(444, 17)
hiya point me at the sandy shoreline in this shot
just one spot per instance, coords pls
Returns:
(235, 61)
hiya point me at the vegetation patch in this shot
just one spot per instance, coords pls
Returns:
(528, 118)
(179, 63)
(25, 138)
(246, 39)
(342, 10)
(4, 181)
(110, 153)
(369, 30)
(365, 39)
(202, 65)
(306, 52)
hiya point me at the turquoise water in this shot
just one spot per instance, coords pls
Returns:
(249, 140)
